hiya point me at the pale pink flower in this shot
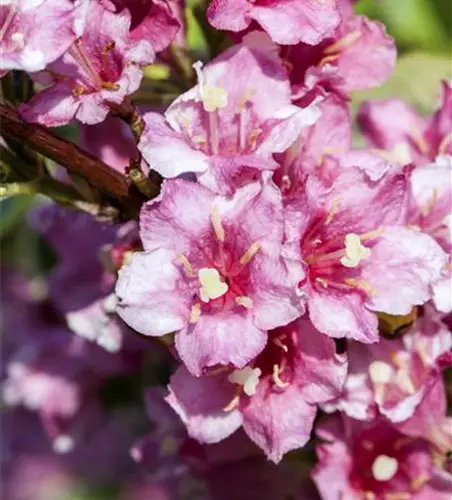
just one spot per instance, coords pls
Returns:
(286, 21)
(359, 55)
(347, 230)
(212, 268)
(375, 460)
(401, 134)
(34, 33)
(394, 376)
(274, 398)
(227, 128)
(99, 70)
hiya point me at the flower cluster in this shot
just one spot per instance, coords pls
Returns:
(298, 288)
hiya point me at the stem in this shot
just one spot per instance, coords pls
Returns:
(111, 183)
(130, 114)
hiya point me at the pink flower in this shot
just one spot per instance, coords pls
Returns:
(346, 230)
(403, 135)
(359, 55)
(98, 71)
(375, 460)
(212, 268)
(36, 32)
(152, 20)
(286, 21)
(394, 376)
(274, 397)
(431, 188)
(226, 128)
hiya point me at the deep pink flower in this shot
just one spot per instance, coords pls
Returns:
(375, 461)
(227, 128)
(152, 20)
(99, 70)
(212, 268)
(359, 55)
(431, 212)
(403, 135)
(286, 21)
(274, 398)
(347, 230)
(36, 32)
(394, 376)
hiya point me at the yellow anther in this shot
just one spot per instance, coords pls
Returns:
(419, 481)
(214, 98)
(281, 345)
(397, 496)
(362, 285)
(195, 313)
(333, 210)
(250, 253)
(252, 137)
(108, 47)
(215, 218)
(232, 405)
(404, 381)
(211, 286)
(427, 208)
(343, 43)
(322, 282)
(246, 302)
(241, 103)
(78, 91)
(181, 259)
(247, 377)
(355, 251)
(110, 86)
(276, 378)
(384, 468)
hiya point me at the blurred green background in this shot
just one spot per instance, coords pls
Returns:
(423, 32)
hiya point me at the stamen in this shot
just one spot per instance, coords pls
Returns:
(369, 495)
(397, 496)
(322, 282)
(246, 302)
(333, 210)
(404, 381)
(372, 234)
(247, 377)
(252, 137)
(328, 59)
(380, 372)
(276, 379)
(213, 133)
(110, 86)
(78, 91)
(188, 269)
(362, 285)
(211, 286)
(343, 43)
(250, 253)
(215, 218)
(195, 313)
(418, 138)
(384, 468)
(419, 481)
(108, 47)
(232, 405)
(214, 98)
(279, 343)
(427, 208)
(423, 352)
(355, 251)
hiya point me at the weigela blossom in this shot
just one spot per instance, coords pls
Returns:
(212, 270)
(402, 135)
(395, 375)
(99, 70)
(34, 33)
(430, 212)
(358, 55)
(375, 460)
(274, 397)
(226, 128)
(286, 21)
(348, 231)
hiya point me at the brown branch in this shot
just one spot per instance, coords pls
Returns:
(114, 185)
